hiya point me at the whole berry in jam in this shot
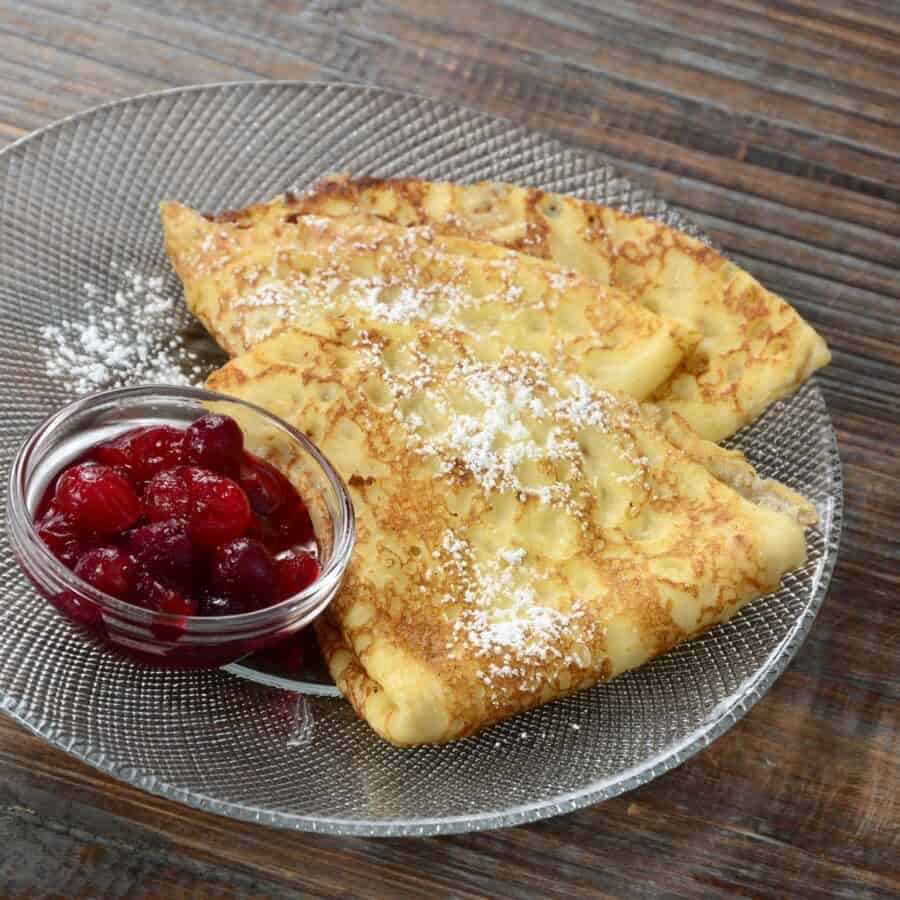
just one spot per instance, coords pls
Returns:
(167, 495)
(109, 569)
(143, 451)
(219, 511)
(297, 570)
(161, 598)
(290, 527)
(165, 551)
(264, 529)
(214, 442)
(266, 488)
(98, 498)
(66, 542)
(294, 525)
(245, 569)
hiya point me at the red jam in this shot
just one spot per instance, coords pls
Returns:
(181, 522)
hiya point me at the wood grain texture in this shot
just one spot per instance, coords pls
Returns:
(773, 124)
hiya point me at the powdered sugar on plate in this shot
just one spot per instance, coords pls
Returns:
(130, 335)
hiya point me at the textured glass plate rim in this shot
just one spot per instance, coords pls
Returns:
(722, 717)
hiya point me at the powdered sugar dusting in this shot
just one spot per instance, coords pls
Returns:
(385, 299)
(412, 277)
(502, 621)
(126, 337)
(517, 417)
(514, 425)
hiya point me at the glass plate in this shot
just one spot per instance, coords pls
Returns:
(78, 205)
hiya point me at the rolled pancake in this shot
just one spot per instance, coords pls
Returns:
(249, 281)
(520, 535)
(755, 347)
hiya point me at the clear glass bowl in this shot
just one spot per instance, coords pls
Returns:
(163, 639)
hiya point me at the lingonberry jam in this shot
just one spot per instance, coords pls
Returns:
(185, 522)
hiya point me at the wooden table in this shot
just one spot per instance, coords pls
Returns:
(775, 126)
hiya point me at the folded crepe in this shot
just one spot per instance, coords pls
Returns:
(265, 270)
(755, 348)
(521, 535)
(247, 281)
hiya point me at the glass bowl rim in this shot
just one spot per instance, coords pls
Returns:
(23, 534)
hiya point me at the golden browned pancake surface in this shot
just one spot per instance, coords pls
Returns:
(249, 280)
(755, 348)
(520, 534)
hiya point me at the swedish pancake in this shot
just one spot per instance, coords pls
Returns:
(755, 347)
(249, 280)
(520, 535)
